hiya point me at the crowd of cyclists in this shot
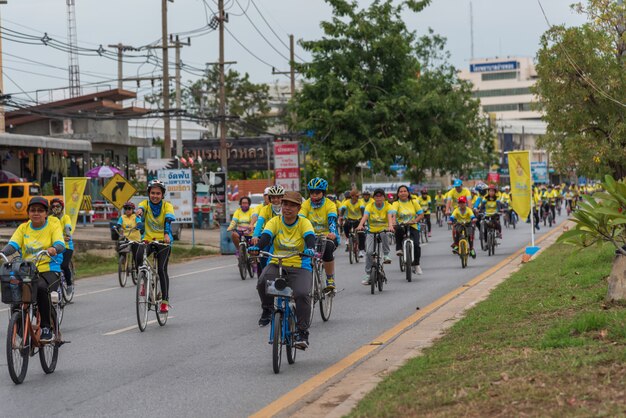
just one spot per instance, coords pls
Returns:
(290, 224)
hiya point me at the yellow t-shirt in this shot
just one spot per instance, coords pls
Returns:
(377, 217)
(29, 241)
(319, 216)
(491, 206)
(155, 226)
(353, 210)
(453, 195)
(287, 239)
(505, 198)
(240, 219)
(462, 218)
(440, 199)
(128, 223)
(406, 211)
(425, 203)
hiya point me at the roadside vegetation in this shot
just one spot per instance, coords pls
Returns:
(545, 343)
(89, 264)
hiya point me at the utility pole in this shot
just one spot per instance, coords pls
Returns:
(292, 74)
(74, 71)
(2, 125)
(179, 129)
(120, 63)
(167, 138)
(222, 107)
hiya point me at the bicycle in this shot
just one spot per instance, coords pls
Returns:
(244, 261)
(353, 245)
(491, 240)
(462, 231)
(19, 289)
(318, 293)
(283, 325)
(423, 229)
(546, 214)
(482, 231)
(559, 203)
(66, 292)
(440, 215)
(377, 274)
(126, 263)
(406, 258)
(149, 295)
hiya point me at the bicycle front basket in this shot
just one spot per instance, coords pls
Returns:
(18, 282)
(270, 290)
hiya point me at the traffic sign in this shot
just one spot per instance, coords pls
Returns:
(118, 191)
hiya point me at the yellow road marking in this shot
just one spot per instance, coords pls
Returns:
(319, 379)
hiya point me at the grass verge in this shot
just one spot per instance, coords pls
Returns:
(543, 344)
(88, 264)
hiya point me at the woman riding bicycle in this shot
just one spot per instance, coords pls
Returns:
(408, 211)
(425, 202)
(289, 233)
(29, 238)
(351, 212)
(127, 227)
(491, 207)
(56, 207)
(267, 212)
(464, 216)
(157, 216)
(240, 222)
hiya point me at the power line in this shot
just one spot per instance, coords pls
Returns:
(272, 29)
(260, 33)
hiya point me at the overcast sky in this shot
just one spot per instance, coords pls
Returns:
(501, 28)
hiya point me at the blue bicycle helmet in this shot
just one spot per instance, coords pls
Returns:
(317, 183)
(457, 183)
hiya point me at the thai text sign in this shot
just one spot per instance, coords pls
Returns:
(179, 192)
(286, 167)
(246, 153)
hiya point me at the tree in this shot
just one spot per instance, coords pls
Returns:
(582, 90)
(377, 93)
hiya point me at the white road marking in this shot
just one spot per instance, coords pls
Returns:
(132, 327)
(204, 270)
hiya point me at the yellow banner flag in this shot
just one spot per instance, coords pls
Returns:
(73, 190)
(519, 170)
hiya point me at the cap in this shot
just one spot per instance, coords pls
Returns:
(462, 199)
(38, 200)
(378, 191)
(293, 197)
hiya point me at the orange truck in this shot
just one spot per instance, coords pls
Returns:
(14, 199)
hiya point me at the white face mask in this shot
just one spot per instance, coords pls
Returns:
(277, 208)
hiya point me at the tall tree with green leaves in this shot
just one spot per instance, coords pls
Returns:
(377, 93)
(582, 90)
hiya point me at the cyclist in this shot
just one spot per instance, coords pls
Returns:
(323, 215)
(425, 202)
(379, 218)
(240, 222)
(35, 235)
(255, 212)
(156, 216)
(351, 213)
(56, 207)
(452, 197)
(289, 233)
(406, 210)
(491, 207)
(440, 202)
(465, 216)
(267, 212)
(127, 227)
(367, 197)
(569, 199)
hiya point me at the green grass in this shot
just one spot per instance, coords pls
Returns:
(543, 344)
(93, 265)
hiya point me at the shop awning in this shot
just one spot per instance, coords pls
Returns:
(46, 142)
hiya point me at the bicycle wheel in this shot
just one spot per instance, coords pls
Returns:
(401, 261)
(463, 251)
(351, 249)
(326, 304)
(490, 244)
(425, 233)
(67, 295)
(277, 324)
(242, 263)
(161, 316)
(482, 236)
(290, 341)
(49, 353)
(373, 279)
(18, 347)
(513, 221)
(355, 249)
(408, 262)
(143, 289)
(315, 296)
(60, 308)
(381, 279)
(121, 269)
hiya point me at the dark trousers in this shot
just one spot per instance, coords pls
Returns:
(65, 265)
(48, 282)
(415, 237)
(350, 224)
(427, 218)
(163, 258)
(300, 281)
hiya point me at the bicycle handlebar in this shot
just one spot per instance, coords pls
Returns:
(281, 257)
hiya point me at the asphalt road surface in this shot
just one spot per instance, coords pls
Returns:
(211, 358)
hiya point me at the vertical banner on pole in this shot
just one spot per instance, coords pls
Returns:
(286, 166)
(519, 170)
(73, 191)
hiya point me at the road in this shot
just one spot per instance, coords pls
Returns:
(211, 358)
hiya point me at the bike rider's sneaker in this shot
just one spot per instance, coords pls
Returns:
(386, 259)
(366, 282)
(330, 284)
(361, 254)
(165, 307)
(455, 249)
(429, 235)
(266, 318)
(302, 340)
(418, 270)
(473, 253)
(46, 335)
(399, 253)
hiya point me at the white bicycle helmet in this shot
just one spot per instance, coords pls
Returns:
(276, 191)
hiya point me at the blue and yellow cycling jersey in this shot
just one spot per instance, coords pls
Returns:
(378, 217)
(319, 217)
(406, 211)
(354, 211)
(490, 205)
(127, 223)
(265, 214)
(241, 219)
(29, 240)
(453, 195)
(155, 223)
(287, 239)
(425, 203)
(462, 218)
(66, 222)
